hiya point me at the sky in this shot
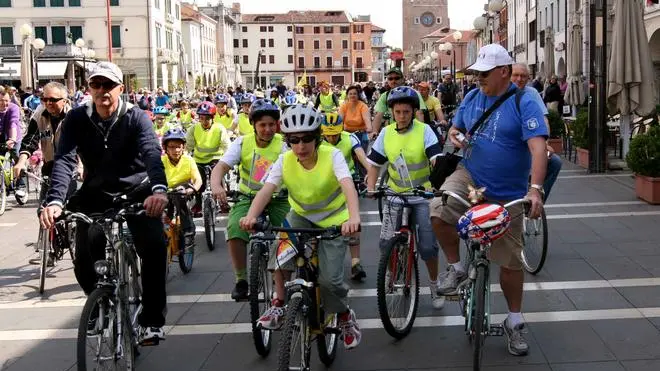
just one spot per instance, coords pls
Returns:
(384, 13)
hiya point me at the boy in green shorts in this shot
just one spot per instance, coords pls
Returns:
(321, 194)
(254, 153)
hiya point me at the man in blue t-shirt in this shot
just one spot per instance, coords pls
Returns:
(498, 157)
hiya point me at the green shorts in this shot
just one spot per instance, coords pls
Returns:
(276, 211)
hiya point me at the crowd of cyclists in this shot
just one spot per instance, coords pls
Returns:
(334, 140)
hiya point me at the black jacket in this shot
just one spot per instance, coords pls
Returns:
(116, 161)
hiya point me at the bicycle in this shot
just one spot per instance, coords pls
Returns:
(305, 316)
(535, 243)
(398, 268)
(52, 244)
(109, 316)
(7, 180)
(473, 294)
(209, 210)
(176, 240)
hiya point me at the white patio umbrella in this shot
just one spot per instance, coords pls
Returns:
(238, 79)
(27, 77)
(575, 93)
(549, 53)
(630, 71)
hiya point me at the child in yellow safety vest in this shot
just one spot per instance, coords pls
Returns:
(224, 114)
(334, 135)
(181, 171)
(161, 125)
(185, 116)
(245, 101)
(321, 194)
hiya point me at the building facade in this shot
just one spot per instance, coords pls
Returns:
(209, 51)
(420, 18)
(378, 55)
(227, 19)
(652, 22)
(191, 33)
(361, 48)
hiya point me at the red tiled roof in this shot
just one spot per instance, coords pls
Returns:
(467, 35)
(438, 33)
(375, 28)
(266, 18)
(319, 16)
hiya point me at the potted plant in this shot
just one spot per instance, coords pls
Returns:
(557, 131)
(643, 159)
(581, 137)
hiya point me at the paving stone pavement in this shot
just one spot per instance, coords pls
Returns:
(594, 306)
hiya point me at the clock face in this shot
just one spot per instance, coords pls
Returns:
(427, 19)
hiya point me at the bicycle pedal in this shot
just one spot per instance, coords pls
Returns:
(332, 330)
(496, 330)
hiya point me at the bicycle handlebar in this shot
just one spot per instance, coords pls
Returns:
(329, 233)
(109, 215)
(386, 191)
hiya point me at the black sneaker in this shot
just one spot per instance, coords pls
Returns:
(240, 291)
(357, 272)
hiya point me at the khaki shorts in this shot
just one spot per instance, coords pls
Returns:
(506, 251)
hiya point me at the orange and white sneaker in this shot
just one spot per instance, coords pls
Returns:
(350, 331)
(272, 319)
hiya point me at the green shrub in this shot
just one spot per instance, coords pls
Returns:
(581, 129)
(644, 155)
(556, 124)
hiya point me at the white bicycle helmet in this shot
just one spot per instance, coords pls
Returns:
(300, 118)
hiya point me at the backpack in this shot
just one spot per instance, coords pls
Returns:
(143, 103)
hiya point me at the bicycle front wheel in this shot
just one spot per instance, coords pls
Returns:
(295, 348)
(3, 193)
(383, 181)
(186, 253)
(535, 240)
(326, 343)
(397, 287)
(479, 321)
(43, 244)
(261, 289)
(208, 210)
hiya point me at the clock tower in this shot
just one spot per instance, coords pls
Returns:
(420, 18)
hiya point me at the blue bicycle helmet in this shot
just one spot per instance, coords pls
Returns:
(290, 99)
(221, 98)
(161, 110)
(290, 93)
(174, 134)
(263, 107)
(403, 94)
(247, 98)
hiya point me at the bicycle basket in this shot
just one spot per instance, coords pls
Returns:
(484, 223)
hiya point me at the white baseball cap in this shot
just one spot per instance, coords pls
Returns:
(491, 56)
(108, 70)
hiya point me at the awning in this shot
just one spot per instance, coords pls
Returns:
(51, 69)
(10, 71)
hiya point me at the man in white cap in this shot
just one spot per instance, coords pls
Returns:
(498, 157)
(121, 156)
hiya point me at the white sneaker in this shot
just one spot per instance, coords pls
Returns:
(452, 278)
(20, 193)
(437, 300)
(151, 335)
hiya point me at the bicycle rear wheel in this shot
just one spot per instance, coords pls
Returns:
(295, 348)
(397, 287)
(479, 324)
(326, 343)
(261, 289)
(535, 240)
(208, 211)
(43, 244)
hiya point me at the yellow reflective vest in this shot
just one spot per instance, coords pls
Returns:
(408, 147)
(256, 162)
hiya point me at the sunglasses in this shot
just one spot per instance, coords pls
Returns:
(51, 100)
(107, 85)
(485, 74)
(309, 138)
(393, 78)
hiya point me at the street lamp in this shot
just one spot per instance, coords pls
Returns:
(434, 58)
(457, 38)
(480, 23)
(496, 6)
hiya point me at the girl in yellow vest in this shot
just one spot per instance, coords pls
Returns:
(321, 194)
(245, 101)
(413, 143)
(349, 145)
(225, 115)
(180, 170)
(254, 154)
(161, 125)
(185, 116)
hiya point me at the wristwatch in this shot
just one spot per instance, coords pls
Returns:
(539, 188)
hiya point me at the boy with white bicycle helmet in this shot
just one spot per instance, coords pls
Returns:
(254, 154)
(245, 101)
(412, 145)
(332, 129)
(321, 194)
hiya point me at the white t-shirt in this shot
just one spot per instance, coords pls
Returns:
(233, 155)
(339, 166)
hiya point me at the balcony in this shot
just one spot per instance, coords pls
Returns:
(319, 68)
(169, 18)
(52, 51)
(166, 56)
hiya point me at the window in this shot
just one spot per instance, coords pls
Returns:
(59, 35)
(245, 59)
(358, 45)
(114, 2)
(41, 32)
(344, 44)
(245, 43)
(328, 29)
(289, 59)
(270, 28)
(300, 30)
(344, 29)
(328, 44)
(237, 59)
(317, 62)
(6, 36)
(262, 28)
(532, 30)
(116, 36)
(236, 43)
(358, 28)
(344, 61)
(5, 3)
(289, 43)
(317, 45)
(438, 20)
(271, 43)
(263, 58)
(317, 29)
(358, 62)
(177, 11)
(74, 2)
(328, 61)
(168, 39)
(76, 33)
(416, 20)
(301, 62)
(244, 29)
(262, 42)
(289, 28)
(301, 44)
(39, 3)
(271, 59)
(168, 6)
(159, 34)
(157, 4)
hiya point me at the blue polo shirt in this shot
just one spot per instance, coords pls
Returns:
(498, 157)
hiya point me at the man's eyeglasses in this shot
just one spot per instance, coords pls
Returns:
(309, 138)
(107, 85)
(51, 100)
(485, 74)
(395, 78)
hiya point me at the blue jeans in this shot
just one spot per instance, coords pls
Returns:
(554, 166)
(392, 211)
